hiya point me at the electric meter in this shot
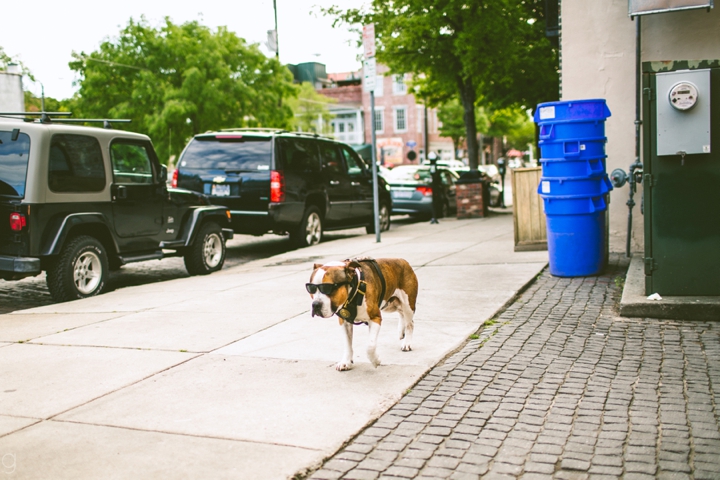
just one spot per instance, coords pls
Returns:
(683, 95)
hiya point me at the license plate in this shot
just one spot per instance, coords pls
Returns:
(402, 194)
(220, 190)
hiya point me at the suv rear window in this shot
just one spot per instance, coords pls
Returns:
(235, 153)
(14, 156)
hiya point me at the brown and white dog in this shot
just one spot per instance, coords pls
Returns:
(390, 285)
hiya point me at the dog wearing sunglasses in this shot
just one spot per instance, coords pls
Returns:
(357, 291)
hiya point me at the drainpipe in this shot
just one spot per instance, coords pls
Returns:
(618, 176)
(635, 171)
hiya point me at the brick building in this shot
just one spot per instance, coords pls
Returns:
(400, 119)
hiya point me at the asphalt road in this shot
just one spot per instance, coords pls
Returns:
(32, 292)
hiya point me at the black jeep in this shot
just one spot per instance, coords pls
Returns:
(78, 201)
(283, 182)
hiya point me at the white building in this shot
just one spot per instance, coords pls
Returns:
(597, 48)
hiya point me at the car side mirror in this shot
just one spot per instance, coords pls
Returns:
(163, 174)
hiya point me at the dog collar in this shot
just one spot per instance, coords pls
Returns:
(348, 311)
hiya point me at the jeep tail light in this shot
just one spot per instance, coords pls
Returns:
(173, 184)
(426, 191)
(17, 221)
(277, 186)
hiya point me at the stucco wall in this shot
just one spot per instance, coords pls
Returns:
(11, 94)
(598, 61)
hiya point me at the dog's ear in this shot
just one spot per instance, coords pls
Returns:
(350, 266)
(317, 265)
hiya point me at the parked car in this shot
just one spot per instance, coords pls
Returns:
(79, 201)
(493, 176)
(410, 186)
(495, 187)
(283, 182)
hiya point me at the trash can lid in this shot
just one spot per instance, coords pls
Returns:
(569, 110)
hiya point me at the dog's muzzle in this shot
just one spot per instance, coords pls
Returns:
(317, 306)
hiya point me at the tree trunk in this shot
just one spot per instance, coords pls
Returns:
(467, 98)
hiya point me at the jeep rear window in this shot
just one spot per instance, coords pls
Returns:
(233, 153)
(14, 156)
(76, 164)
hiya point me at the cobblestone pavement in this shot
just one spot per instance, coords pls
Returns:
(558, 387)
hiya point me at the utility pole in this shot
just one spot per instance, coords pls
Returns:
(370, 74)
(277, 40)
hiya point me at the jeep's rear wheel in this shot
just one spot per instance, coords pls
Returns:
(311, 229)
(80, 271)
(207, 254)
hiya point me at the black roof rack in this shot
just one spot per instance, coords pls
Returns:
(46, 117)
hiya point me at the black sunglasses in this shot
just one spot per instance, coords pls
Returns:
(325, 288)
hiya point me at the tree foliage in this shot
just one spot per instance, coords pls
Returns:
(175, 81)
(310, 106)
(492, 52)
(514, 124)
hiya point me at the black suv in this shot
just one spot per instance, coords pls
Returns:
(78, 201)
(283, 182)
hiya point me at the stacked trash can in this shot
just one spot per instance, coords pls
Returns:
(574, 185)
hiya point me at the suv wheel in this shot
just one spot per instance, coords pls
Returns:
(384, 215)
(311, 229)
(207, 253)
(80, 271)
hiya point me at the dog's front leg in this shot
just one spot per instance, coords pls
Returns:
(346, 362)
(374, 327)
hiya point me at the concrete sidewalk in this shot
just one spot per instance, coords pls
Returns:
(228, 376)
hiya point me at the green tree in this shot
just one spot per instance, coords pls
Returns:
(450, 115)
(489, 50)
(308, 107)
(513, 124)
(175, 81)
(34, 104)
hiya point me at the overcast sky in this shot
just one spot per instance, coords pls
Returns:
(42, 34)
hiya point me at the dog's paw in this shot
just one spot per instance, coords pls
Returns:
(405, 348)
(374, 359)
(342, 366)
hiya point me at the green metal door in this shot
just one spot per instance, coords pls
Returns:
(681, 191)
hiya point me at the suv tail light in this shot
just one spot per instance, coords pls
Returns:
(173, 184)
(17, 221)
(277, 186)
(426, 191)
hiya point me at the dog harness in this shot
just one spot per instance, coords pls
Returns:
(358, 287)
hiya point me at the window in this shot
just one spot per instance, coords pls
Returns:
(299, 155)
(353, 161)
(227, 153)
(76, 164)
(401, 119)
(379, 85)
(331, 160)
(131, 164)
(399, 86)
(14, 155)
(379, 127)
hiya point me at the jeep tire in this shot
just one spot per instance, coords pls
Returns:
(207, 253)
(310, 230)
(80, 271)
